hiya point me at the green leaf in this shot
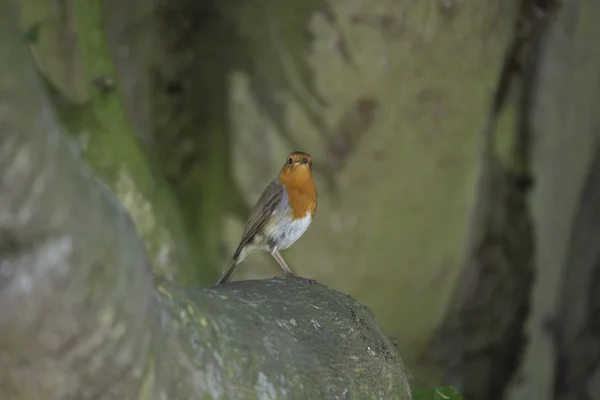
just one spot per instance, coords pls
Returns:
(441, 393)
(447, 393)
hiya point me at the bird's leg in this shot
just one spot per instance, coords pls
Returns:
(286, 270)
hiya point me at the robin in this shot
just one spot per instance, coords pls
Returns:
(282, 214)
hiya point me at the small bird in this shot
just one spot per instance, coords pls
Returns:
(282, 214)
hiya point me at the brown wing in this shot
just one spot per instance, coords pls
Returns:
(261, 212)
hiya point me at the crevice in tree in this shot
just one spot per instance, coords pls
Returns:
(198, 48)
(480, 343)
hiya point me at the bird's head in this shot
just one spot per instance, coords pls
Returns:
(298, 160)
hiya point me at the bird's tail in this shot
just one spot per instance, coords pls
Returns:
(228, 272)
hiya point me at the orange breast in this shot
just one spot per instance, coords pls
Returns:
(301, 191)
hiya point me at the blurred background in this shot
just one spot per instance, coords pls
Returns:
(453, 143)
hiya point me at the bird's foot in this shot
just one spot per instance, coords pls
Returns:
(308, 281)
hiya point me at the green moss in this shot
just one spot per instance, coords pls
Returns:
(102, 131)
(191, 136)
(278, 338)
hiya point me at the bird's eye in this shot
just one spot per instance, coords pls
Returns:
(290, 161)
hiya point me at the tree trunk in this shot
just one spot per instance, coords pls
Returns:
(520, 327)
(565, 124)
(226, 89)
(478, 251)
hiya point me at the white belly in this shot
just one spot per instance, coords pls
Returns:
(289, 232)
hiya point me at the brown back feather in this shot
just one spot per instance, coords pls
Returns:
(263, 209)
